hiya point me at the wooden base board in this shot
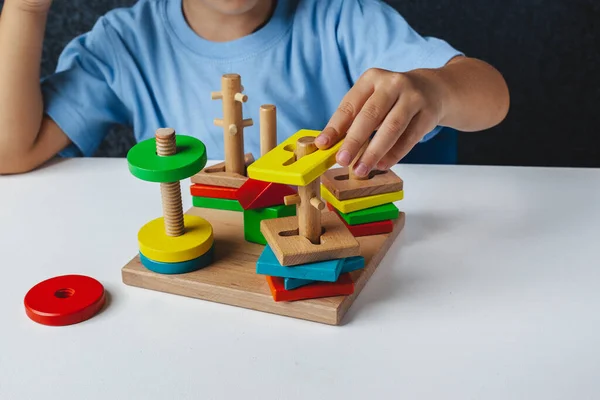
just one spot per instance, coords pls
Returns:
(232, 278)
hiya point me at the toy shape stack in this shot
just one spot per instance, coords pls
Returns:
(174, 243)
(264, 200)
(310, 255)
(364, 204)
(216, 186)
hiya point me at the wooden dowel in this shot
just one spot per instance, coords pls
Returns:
(232, 97)
(268, 128)
(291, 199)
(309, 215)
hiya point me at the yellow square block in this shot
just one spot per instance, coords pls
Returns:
(350, 205)
(280, 165)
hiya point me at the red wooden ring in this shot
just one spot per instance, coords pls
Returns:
(64, 300)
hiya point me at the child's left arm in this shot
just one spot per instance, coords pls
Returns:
(466, 94)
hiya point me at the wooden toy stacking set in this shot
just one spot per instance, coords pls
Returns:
(259, 235)
(365, 204)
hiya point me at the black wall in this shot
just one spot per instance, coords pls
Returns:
(548, 50)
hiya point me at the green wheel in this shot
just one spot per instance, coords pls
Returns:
(146, 165)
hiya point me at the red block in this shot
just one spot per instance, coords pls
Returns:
(214, 192)
(258, 194)
(344, 286)
(372, 228)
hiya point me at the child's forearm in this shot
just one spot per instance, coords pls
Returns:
(474, 95)
(21, 104)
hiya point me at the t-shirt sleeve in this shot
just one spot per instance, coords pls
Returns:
(81, 95)
(372, 34)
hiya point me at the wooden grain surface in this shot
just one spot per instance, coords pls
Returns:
(232, 278)
(343, 187)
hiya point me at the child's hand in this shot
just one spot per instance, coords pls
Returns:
(402, 107)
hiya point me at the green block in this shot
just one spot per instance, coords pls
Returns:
(373, 214)
(252, 220)
(219, 204)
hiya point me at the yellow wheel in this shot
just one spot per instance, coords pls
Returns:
(156, 245)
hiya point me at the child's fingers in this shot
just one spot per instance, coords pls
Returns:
(343, 117)
(368, 119)
(417, 128)
(393, 126)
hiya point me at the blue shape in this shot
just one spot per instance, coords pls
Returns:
(178, 267)
(328, 271)
(348, 265)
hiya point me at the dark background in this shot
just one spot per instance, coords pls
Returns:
(548, 51)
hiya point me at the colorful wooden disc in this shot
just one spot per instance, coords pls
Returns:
(179, 268)
(64, 300)
(146, 165)
(156, 245)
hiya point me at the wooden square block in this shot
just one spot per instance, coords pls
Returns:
(383, 212)
(351, 205)
(252, 220)
(326, 271)
(216, 175)
(293, 249)
(218, 204)
(232, 279)
(280, 165)
(214, 192)
(344, 286)
(338, 182)
(350, 264)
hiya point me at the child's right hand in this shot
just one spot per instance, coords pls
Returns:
(30, 5)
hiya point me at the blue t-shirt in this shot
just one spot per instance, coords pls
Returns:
(145, 67)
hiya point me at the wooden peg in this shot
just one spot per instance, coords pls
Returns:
(232, 122)
(247, 122)
(268, 128)
(308, 211)
(317, 203)
(353, 163)
(292, 199)
(242, 98)
(218, 122)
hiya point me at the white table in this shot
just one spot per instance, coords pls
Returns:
(492, 291)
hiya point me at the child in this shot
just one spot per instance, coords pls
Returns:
(348, 67)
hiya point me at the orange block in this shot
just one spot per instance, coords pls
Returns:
(343, 287)
(214, 192)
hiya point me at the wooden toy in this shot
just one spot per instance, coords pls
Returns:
(281, 165)
(374, 214)
(309, 236)
(173, 238)
(258, 194)
(64, 300)
(350, 264)
(290, 248)
(306, 238)
(217, 176)
(361, 203)
(220, 204)
(253, 217)
(233, 123)
(215, 192)
(344, 286)
(178, 267)
(232, 279)
(344, 184)
(328, 271)
(232, 172)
